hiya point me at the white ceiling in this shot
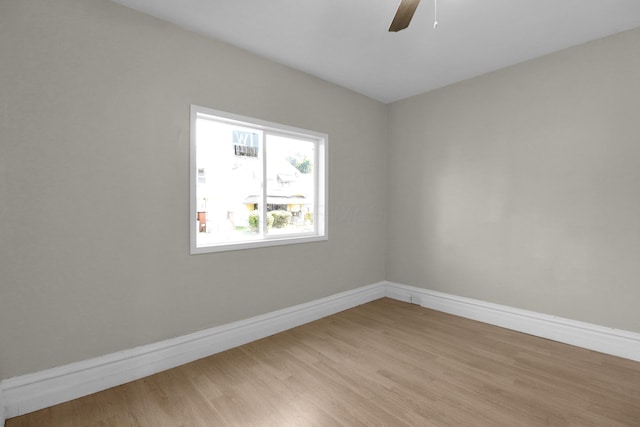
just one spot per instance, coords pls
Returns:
(347, 43)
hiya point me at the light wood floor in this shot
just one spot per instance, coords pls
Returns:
(384, 363)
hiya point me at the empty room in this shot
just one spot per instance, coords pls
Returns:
(286, 213)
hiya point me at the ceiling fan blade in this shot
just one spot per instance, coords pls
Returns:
(403, 15)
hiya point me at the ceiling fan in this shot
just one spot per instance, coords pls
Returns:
(404, 14)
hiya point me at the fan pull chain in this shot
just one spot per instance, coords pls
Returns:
(435, 14)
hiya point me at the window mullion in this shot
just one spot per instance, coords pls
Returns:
(316, 189)
(263, 211)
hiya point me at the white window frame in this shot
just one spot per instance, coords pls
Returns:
(320, 168)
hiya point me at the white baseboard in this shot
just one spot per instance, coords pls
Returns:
(611, 341)
(31, 392)
(1, 406)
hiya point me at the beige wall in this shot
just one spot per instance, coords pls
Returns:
(94, 155)
(522, 187)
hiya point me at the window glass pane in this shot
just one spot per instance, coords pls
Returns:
(290, 188)
(229, 182)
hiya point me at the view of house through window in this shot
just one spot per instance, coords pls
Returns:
(256, 183)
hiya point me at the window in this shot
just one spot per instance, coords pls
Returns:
(254, 183)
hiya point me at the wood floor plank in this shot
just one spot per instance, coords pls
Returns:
(384, 363)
